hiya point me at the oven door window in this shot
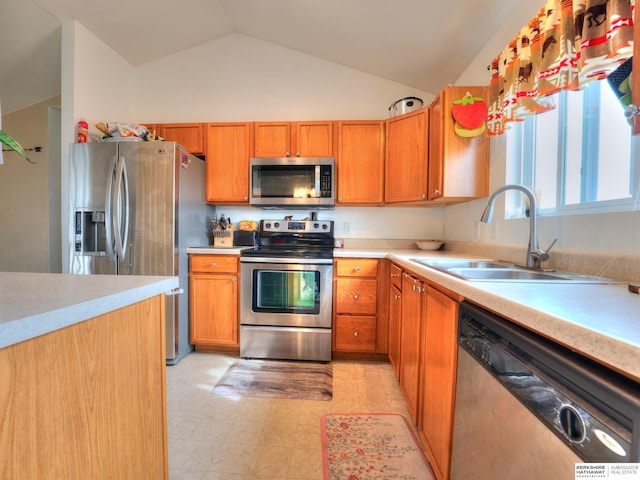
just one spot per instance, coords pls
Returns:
(286, 291)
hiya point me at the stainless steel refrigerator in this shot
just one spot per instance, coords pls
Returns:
(134, 208)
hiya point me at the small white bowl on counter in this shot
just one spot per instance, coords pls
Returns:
(429, 244)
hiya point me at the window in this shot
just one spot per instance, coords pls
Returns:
(577, 158)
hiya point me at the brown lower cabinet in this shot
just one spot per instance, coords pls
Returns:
(213, 301)
(437, 392)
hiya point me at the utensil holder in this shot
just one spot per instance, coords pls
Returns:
(223, 238)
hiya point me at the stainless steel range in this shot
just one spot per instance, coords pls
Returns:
(286, 291)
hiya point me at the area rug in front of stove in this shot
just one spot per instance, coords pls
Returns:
(371, 446)
(277, 379)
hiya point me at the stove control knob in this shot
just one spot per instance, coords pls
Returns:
(277, 224)
(268, 225)
(315, 225)
(324, 226)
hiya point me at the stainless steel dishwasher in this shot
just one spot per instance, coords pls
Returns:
(528, 408)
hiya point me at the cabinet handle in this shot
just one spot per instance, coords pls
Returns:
(213, 264)
(339, 199)
(424, 196)
(234, 280)
(297, 154)
(355, 334)
(287, 154)
(357, 269)
(436, 192)
(356, 296)
(397, 297)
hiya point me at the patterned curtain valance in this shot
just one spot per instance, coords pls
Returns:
(568, 43)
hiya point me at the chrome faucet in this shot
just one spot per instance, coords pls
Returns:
(535, 255)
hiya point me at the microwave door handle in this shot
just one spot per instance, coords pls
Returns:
(108, 211)
(316, 186)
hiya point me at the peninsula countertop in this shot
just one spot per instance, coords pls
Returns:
(599, 321)
(33, 304)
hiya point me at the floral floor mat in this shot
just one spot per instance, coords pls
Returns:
(371, 447)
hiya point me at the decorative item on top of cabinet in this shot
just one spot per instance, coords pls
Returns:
(227, 163)
(395, 317)
(190, 135)
(413, 304)
(635, 79)
(213, 301)
(406, 165)
(458, 165)
(356, 307)
(437, 398)
(360, 162)
(293, 139)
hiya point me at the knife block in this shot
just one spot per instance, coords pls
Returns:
(223, 238)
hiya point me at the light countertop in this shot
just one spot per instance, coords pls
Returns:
(33, 304)
(599, 321)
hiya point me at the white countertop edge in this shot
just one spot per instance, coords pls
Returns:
(138, 288)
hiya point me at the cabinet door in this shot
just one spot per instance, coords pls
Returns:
(227, 163)
(213, 302)
(410, 342)
(406, 157)
(356, 296)
(355, 333)
(272, 139)
(189, 135)
(458, 166)
(360, 163)
(395, 319)
(439, 379)
(312, 139)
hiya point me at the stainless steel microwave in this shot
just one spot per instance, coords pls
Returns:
(292, 182)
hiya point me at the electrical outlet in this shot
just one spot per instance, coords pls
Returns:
(347, 227)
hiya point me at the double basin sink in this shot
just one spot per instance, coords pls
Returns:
(497, 271)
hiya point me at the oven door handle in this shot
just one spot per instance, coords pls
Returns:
(290, 260)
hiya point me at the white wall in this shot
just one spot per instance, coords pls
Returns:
(240, 78)
(611, 232)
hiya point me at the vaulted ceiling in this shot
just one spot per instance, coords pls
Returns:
(420, 43)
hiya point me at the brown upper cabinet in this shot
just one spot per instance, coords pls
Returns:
(293, 139)
(190, 135)
(360, 162)
(227, 164)
(407, 157)
(458, 165)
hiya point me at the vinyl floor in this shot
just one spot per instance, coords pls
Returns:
(218, 437)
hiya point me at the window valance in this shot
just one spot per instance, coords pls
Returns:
(567, 44)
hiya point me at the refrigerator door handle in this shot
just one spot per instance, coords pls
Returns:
(122, 185)
(108, 211)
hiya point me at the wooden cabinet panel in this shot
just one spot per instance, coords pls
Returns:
(410, 341)
(227, 163)
(360, 267)
(355, 333)
(439, 379)
(190, 135)
(214, 264)
(293, 139)
(312, 139)
(458, 166)
(89, 400)
(356, 296)
(406, 157)
(213, 300)
(395, 323)
(360, 163)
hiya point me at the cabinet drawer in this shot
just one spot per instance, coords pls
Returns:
(354, 295)
(357, 268)
(355, 333)
(214, 263)
(395, 272)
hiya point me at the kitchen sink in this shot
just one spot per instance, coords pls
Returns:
(496, 271)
